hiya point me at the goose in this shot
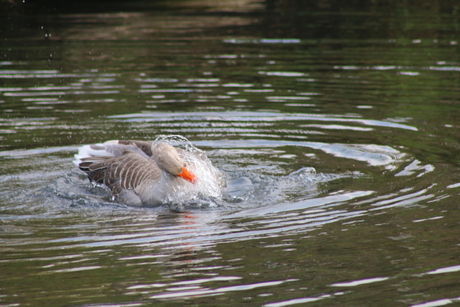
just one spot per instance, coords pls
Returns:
(144, 173)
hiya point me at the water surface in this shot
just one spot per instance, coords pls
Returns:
(336, 127)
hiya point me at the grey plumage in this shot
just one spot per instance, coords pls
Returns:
(137, 172)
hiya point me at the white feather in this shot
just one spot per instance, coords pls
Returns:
(88, 151)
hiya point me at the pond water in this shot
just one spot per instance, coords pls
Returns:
(336, 126)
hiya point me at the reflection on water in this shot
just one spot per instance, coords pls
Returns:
(335, 124)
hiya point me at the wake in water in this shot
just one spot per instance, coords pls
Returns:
(236, 188)
(250, 190)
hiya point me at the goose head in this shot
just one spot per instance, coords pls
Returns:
(167, 158)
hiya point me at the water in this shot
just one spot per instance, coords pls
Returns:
(336, 126)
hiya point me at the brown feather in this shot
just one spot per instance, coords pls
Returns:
(125, 172)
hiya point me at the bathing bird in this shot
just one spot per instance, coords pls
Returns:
(148, 173)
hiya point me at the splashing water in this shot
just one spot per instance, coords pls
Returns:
(241, 189)
(207, 191)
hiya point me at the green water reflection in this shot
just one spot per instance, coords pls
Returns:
(365, 92)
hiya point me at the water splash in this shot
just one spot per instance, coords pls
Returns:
(207, 191)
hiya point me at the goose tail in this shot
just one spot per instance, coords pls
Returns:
(94, 150)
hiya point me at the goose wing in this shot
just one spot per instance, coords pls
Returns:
(125, 172)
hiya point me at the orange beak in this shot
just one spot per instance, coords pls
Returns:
(188, 175)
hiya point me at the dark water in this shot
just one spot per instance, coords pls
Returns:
(337, 126)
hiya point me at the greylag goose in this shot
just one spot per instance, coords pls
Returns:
(142, 173)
